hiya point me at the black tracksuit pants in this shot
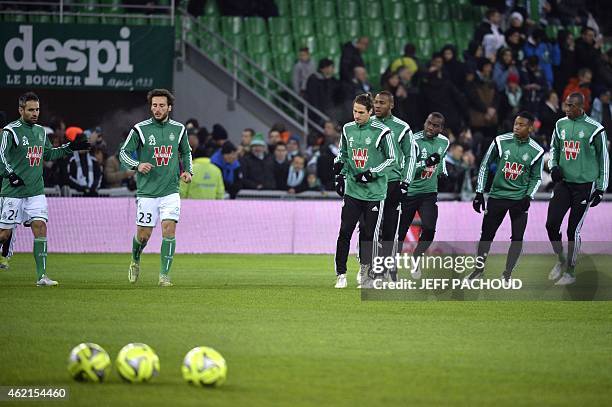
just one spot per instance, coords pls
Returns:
(575, 198)
(427, 206)
(493, 218)
(371, 213)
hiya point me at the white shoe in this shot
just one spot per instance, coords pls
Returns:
(133, 272)
(416, 273)
(556, 271)
(164, 281)
(366, 282)
(566, 279)
(46, 282)
(341, 281)
(363, 271)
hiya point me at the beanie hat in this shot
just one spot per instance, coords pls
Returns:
(218, 132)
(258, 140)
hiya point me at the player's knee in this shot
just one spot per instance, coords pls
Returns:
(5, 234)
(427, 234)
(552, 226)
(39, 228)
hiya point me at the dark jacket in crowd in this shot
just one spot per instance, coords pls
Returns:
(440, 95)
(84, 173)
(325, 167)
(257, 171)
(321, 92)
(280, 174)
(350, 58)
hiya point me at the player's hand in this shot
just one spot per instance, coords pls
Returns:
(596, 197)
(80, 143)
(404, 190)
(339, 184)
(556, 174)
(479, 202)
(525, 204)
(364, 177)
(338, 165)
(144, 168)
(186, 177)
(432, 160)
(15, 180)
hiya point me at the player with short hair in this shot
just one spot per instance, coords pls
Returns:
(580, 166)
(519, 162)
(23, 148)
(431, 147)
(400, 174)
(366, 154)
(161, 147)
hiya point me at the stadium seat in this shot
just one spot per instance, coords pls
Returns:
(301, 8)
(283, 65)
(350, 29)
(281, 45)
(393, 10)
(396, 45)
(302, 27)
(377, 67)
(210, 22)
(211, 8)
(377, 47)
(257, 44)
(279, 26)
(442, 30)
(397, 29)
(309, 41)
(463, 29)
(39, 18)
(374, 28)
(417, 12)
(420, 29)
(324, 9)
(255, 26)
(284, 10)
(348, 9)
(327, 27)
(370, 9)
(438, 11)
(237, 41)
(328, 46)
(231, 25)
(574, 29)
(424, 48)
(552, 31)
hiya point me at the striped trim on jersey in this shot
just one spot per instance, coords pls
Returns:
(124, 155)
(595, 123)
(139, 130)
(537, 184)
(605, 161)
(538, 148)
(389, 161)
(498, 140)
(382, 127)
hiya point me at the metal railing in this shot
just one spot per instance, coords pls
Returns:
(248, 73)
(62, 9)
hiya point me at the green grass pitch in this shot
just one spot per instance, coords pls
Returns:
(291, 339)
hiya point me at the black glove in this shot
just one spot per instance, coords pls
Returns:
(596, 197)
(364, 177)
(338, 165)
(80, 143)
(404, 191)
(556, 174)
(339, 184)
(15, 180)
(479, 202)
(432, 160)
(524, 204)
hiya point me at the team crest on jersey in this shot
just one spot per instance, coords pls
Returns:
(360, 157)
(34, 154)
(512, 170)
(351, 142)
(41, 138)
(571, 148)
(562, 136)
(152, 140)
(581, 134)
(368, 140)
(24, 141)
(172, 137)
(162, 154)
(525, 157)
(506, 154)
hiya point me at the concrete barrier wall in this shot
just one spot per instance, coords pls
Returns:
(106, 225)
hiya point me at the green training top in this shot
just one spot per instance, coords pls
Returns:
(426, 178)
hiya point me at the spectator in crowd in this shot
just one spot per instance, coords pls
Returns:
(455, 168)
(314, 183)
(567, 68)
(548, 54)
(549, 113)
(206, 182)
(408, 60)
(328, 153)
(453, 69)
(245, 142)
(226, 158)
(403, 103)
(504, 66)
(483, 101)
(602, 111)
(274, 137)
(257, 166)
(534, 84)
(192, 124)
(510, 103)
(489, 34)
(516, 22)
(281, 166)
(84, 172)
(322, 89)
(358, 84)
(99, 151)
(56, 172)
(581, 84)
(588, 50)
(194, 140)
(351, 57)
(471, 56)
(441, 95)
(297, 180)
(516, 42)
(303, 68)
(293, 146)
(219, 136)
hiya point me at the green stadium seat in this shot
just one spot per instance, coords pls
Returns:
(377, 67)
(259, 80)
(279, 26)
(231, 25)
(328, 46)
(306, 41)
(160, 22)
(424, 48)
(417, 12)
(463, 29)
(374, 28)
(301, 8)
(210, 22)
(281, 45)
(255, 26)
(324, 9)
(327, 27)
(442, 30)
(237, 41)
(370, 9)
(283, 65)
(552, 31)
(211, 8)
(397, 28)
(284, 9)
(257, 44)
(302, 27)
(350, 29)
(420, 29)
(396, 45)
(574, 29)
(348, 9)
(438, 11)
(377, 47)
(39, 18)
(393, 10)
